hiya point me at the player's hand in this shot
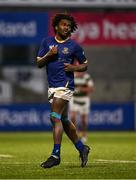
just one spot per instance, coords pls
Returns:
(53, 51)
(69, 67)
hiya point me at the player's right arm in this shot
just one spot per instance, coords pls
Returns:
(42, 61)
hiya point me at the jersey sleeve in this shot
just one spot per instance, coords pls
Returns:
(90, 83)
(80, 55)
(43, 49)
(89, 80)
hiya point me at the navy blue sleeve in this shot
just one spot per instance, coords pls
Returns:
(43, 48)
(79, 54)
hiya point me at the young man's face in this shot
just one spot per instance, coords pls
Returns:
(64, 28)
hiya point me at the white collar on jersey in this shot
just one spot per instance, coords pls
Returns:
(61, 41)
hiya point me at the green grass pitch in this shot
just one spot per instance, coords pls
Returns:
(113, 156)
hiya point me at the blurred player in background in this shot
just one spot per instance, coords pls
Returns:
(80, 102)
(57, 55)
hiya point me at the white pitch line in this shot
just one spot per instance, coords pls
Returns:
(5, 156)
(18, 163)
(66, 162)
(113, 161)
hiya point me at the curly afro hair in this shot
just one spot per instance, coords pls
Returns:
(58, 17)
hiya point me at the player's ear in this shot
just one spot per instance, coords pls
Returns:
(56, 28)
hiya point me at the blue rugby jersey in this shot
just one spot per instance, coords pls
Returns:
(68, 51)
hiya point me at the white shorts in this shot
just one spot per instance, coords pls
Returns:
(80, 105)
(60, 92)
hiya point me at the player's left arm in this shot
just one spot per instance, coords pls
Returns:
(80, 56)
(76, 68)
(89, 88)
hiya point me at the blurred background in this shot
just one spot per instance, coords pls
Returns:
(107, 32)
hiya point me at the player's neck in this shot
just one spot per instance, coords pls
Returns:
(60, 40)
